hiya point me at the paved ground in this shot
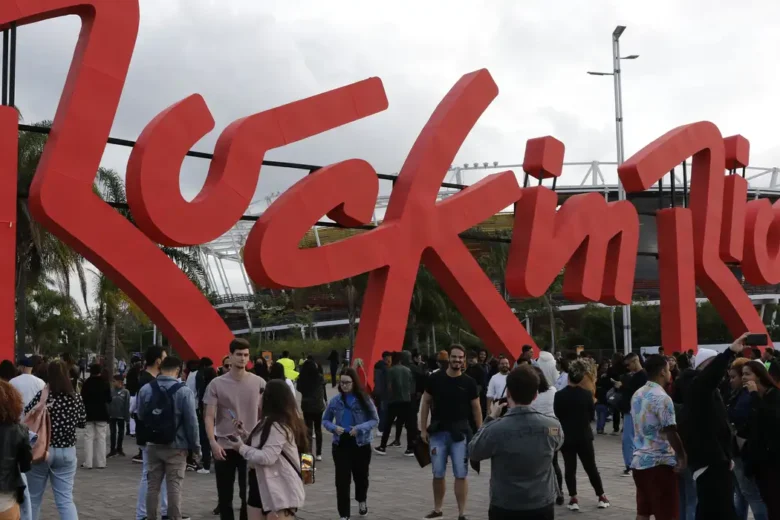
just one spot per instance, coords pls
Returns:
(399, 490)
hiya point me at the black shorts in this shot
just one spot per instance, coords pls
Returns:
(253, 499)
(657, 492)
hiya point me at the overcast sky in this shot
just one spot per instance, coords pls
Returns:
(699, 60)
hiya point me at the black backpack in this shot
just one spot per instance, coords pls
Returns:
(159, 417)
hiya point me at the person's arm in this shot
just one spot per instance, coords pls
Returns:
(126, 413)
(476, 410)
(24, 452)
(210, 401)
(190, 419)
(372, 421)
(425, 410)
(711, 376)
(674, 439)
(491, 393)
(269, 453)
(482, 445)
(328, 417)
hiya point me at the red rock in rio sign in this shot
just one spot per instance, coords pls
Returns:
(596, 240)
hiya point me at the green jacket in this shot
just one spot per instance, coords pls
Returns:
(400, 383)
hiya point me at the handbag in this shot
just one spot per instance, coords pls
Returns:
(613, 398)
(422, 452)
(38, 421)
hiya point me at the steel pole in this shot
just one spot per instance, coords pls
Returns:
(627, 344)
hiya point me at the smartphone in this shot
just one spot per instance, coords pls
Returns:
(757, 340)
(231, 414)
(231, 438)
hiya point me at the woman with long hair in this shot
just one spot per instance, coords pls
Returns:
(760, 452)
(277, 372)
(311, 385)
(15, 453)
(272, 450)
(351, 417)
(66, 410)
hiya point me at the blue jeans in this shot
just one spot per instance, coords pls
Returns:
(688, 497)
(628, 439)
(140, 507)
(443, 447)
(61, 469)
(746, 494)
(601, 417)
(26, 509)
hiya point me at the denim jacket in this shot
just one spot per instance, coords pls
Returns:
(365, 422)
(187, 436)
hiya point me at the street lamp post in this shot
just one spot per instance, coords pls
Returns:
(616, 75)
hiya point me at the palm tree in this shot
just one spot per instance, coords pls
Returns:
(39, 254)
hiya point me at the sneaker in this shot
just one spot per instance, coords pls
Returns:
(603, 502)
(574, 504)
(599, 432)
(318, 457)
(560, 500)
(84, 466)
(380, 450)
(409, 452)
(344, 518)
(626, 473)
(111, 455)
(215, 512)
(363, 508)
(395, 444)
(615, 433)
(462, 517)
(183, 517)
(192, 467)
(121, 454)
(433, 514)
(203, 471)
(138, 459)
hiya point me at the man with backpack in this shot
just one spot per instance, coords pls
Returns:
(167, 409)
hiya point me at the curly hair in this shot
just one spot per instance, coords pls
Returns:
(11, 406)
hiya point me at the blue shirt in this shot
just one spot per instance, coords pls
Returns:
(346, 421)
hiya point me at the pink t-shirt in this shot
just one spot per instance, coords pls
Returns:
(242, 397)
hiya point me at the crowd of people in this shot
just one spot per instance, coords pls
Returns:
(698, 430)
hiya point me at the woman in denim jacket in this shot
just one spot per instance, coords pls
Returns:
(351, 418)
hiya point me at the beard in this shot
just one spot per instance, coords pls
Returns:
(456, 365)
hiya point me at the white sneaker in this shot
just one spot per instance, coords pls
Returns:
(603, 502)
(203, 471)
(318, 457)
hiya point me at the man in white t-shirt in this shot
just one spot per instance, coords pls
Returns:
(497, 385)
(27, 384)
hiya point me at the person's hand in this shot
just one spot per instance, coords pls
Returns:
(731, 465)
(424, 436)
(353, 432)
(739, 344)
(239, 426)
(618, 384)
(751, 386)
(217, 450)
(496, 409)
(339, 430)
(234, 445)
(682, 463)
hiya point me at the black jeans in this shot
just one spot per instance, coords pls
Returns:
(401, 414)
(544, 513)
(314, 422)
(558, 474)
(715, 493)
(615, 420)
(117, 427)
(584, 450)
(225, 471)
(334, 370)
(351, 463)
(205, 446)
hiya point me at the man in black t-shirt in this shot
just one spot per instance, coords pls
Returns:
(452, 399)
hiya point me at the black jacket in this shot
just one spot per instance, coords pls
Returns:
(704, 425)
(630, 384)
(574, 408)
(763, 431)
(15, 458)
(96, 394)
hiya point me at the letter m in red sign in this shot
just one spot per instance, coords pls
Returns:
(581, 235)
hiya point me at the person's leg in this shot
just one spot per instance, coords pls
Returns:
(120, 438)
(241, 467)
(112, 424)
(140, 506)
(747, 493)
(36, 480)
(392, 415)
(154, 477)
(342, 462)
(89, 445)
(715, 494)
(588, 458)
(101, 428)
(360, 464)
(460, 469)
(131, 430)
(411, 425)
(615, 420)
(225, 472)
(768, 482)
(569, 454)
(205, 446)
(318, 432)
(628, 440)
(63, 473)
(25, 511)
(400, 419)
(439, 446)
(558, 475)
(175, 466)
(601, 417)
(382, 409)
